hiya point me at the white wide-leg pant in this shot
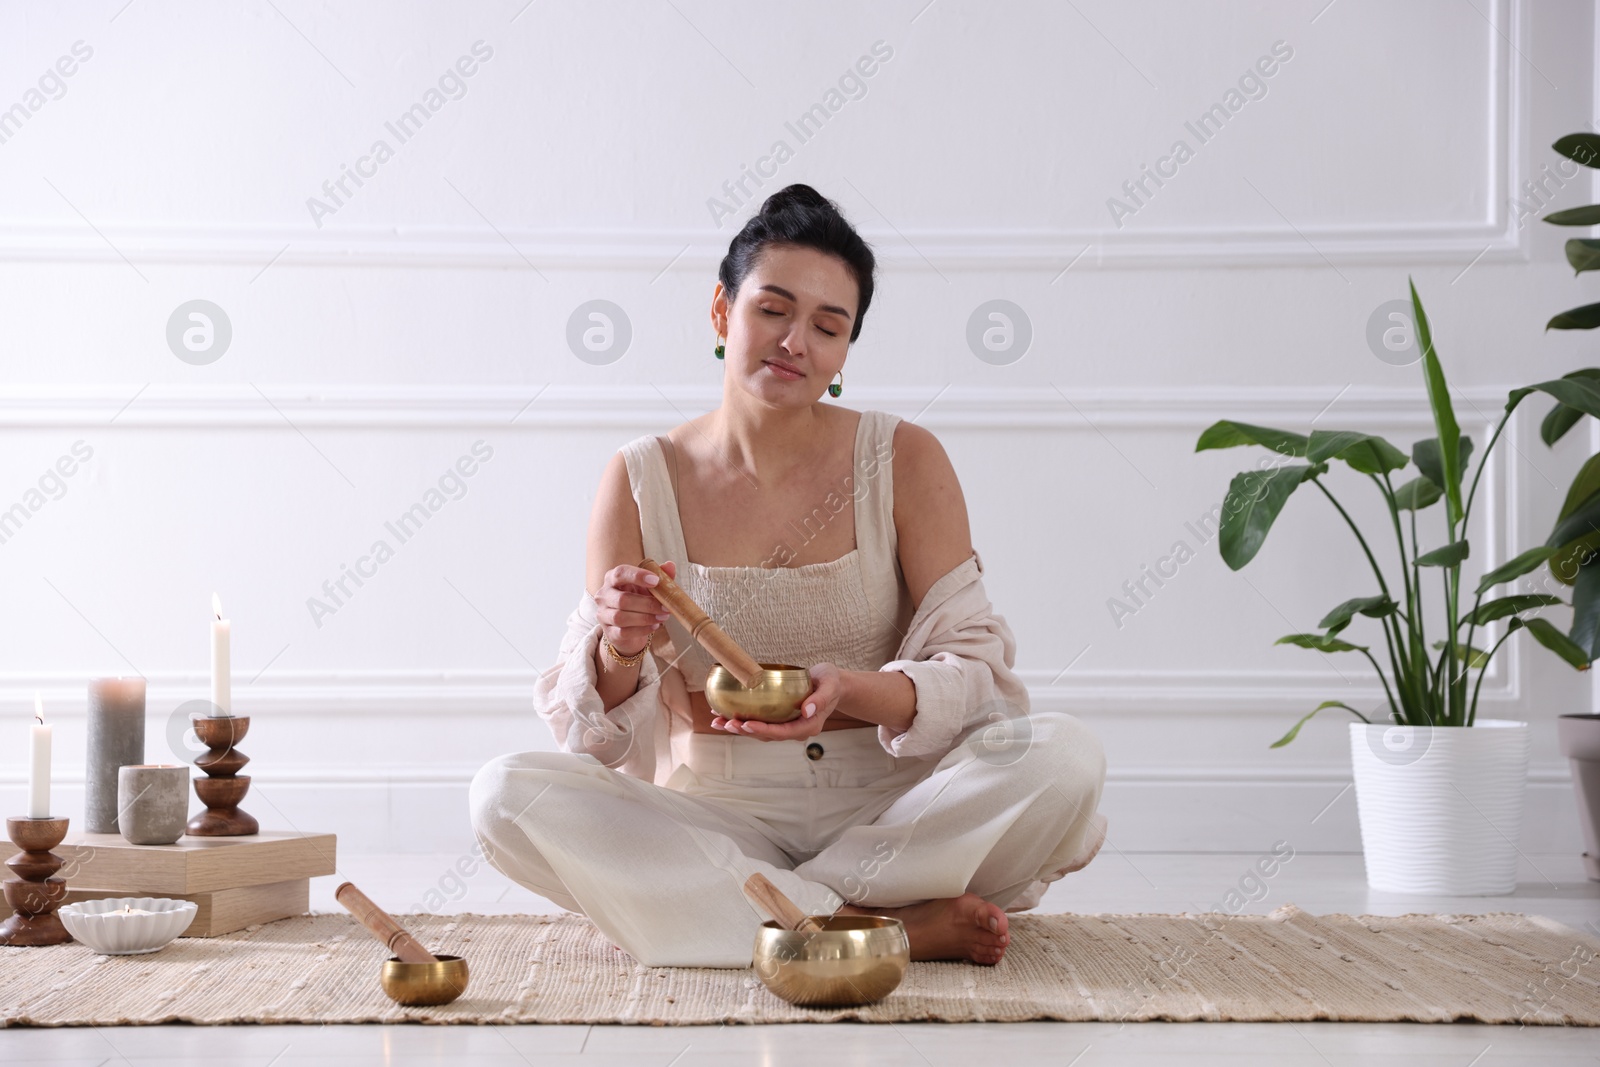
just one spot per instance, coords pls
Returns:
(660, 869)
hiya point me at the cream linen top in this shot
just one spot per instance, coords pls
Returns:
(850, 611)
(854, 611)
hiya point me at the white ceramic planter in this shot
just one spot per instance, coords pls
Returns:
(1441, 806)
(1580, 743)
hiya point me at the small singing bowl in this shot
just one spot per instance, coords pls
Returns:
(775, 696)
(420, 984)
(856, 959)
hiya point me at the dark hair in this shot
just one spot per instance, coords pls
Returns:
(799, 215)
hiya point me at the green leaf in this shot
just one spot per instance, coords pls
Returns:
(1319, 642)
(1588, 215)
(1580, 390)
(1561, 417)
(1294, 731)
(1252, 505)
(1445, 556)
(1367, 453)
(1584, 254)
(1568, 564)
(1571, 557)
(1227, 434)
(1444, 416)
(1586, 610)
(1478, 656)
(1508, 605)
(1586, 317)
(1429, 463)
(1418, 493)
(1556, 424)
(1582, 521)
(1547, 635)
(1374, 607)
(1580, 148)
(1514, 568)
(1577, 530)
(1585, 484)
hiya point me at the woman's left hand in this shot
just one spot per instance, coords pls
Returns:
(827, 687)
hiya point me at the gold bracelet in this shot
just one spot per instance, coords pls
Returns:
(626, 661)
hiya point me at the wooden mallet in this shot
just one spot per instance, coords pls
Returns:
(382, 926)
(724, 649)
(785, 912)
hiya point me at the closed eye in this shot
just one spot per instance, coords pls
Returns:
(769, 311)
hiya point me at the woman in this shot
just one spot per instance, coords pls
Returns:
(916, 783)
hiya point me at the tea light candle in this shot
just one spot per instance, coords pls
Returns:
(127, 926)
(39, 764)
(116, 739)
(221, 686)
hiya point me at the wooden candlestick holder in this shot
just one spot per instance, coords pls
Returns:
(35, 893)
(222, 788)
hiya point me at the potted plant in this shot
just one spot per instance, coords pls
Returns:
(1580, 734)
(1438, 790)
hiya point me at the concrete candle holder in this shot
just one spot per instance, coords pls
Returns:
(152, 802)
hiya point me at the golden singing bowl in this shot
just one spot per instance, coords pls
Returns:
(419, 984)
(775, 697)
(856, 959)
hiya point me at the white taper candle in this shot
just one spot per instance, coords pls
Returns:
(39, 765)
(221, 686)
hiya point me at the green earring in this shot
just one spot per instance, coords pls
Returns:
(719, 348)
(835, 388)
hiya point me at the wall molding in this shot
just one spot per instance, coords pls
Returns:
(641, 409)
(542, 405)
(693, 250)
(1492, 239)
(507, 696)
(1162, 809)
(1335, 774)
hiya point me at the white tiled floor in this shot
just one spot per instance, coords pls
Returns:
(1116, 882)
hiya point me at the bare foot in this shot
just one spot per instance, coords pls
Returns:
(955, 928)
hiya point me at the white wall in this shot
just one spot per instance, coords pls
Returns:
(429, 310)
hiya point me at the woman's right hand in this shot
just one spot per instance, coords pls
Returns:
(628, 611)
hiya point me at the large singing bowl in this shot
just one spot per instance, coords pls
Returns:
(856, 959)
(775, 696)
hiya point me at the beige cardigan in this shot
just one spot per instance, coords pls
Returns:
(957, 652)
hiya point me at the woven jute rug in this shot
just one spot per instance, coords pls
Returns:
(1286, 966)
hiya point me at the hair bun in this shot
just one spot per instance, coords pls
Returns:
(793, 196)
(797, 216)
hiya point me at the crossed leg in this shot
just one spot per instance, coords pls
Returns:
(661, 872)
(979, 832)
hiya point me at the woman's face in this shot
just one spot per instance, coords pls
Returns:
(796, 307)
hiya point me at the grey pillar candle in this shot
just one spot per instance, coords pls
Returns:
(116, 739)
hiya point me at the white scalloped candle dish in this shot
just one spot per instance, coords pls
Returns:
(127, 926)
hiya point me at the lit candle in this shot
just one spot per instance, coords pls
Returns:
(39, 767)
(221, 689)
